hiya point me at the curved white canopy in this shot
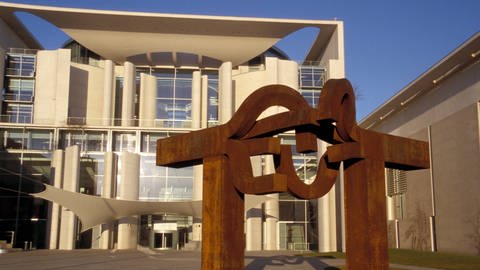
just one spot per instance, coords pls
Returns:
(94, 210)
(117, 35)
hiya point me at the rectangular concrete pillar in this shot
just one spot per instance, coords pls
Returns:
(108, 92)
(129, 184)
(2, 71)
(253, 215)
(271, 210)
(71, 177)
(57, 173)
(196, 99)
(108, 191)
(204, 106)
(254, 228)
(53, 77)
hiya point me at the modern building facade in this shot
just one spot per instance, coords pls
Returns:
(439, 208)
(86, 118)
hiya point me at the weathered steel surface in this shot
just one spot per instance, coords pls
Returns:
(225, 152)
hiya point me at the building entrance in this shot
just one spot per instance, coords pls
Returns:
(164, 240)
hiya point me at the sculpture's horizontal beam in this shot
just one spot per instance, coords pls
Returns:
(396, 152)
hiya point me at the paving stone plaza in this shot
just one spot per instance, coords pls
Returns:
(158, 260)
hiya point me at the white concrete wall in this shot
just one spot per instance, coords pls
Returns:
(52, 82)
(453, 95)
(86, 94)
(276, 72)
(334, 56)
(8, 37)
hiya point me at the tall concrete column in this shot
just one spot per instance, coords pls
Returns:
(204, 105)
(148, 100)
(254, 228)
(108, 92)
(197, 122)
(225, 93)
(108, 191)
(71, 177)
(271, 210)
(57, 173)
(327, 238)
(196, 99)
(128, 226)
(2, 71)
(128, 95)
(197, 196)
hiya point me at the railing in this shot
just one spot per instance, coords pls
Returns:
(19, 72)
(22, 51)
(298, 246)
(23, 119)
(18, 97)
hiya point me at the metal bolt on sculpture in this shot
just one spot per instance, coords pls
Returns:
(225, 152)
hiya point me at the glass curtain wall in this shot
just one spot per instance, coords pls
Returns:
(311, 79)
(297, 226)
(19, 84)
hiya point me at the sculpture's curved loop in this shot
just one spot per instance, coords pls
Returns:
(324, 180)
(239, 153)
(271, 95)
(337, 102)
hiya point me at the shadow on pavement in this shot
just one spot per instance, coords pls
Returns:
(261, 262)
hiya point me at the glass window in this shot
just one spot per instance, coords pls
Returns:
(292, 210)
(125, 142)
(96, 141)
(39, 139)
(91, 174)
(21, 65)
(15, 139)
(174, 95)
(19, 113)
(165, 88)
(183, 89)
(149, 141)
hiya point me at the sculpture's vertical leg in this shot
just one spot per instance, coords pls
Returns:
(365, 215)
(223, 213)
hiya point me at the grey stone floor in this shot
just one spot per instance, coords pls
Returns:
(140, 260)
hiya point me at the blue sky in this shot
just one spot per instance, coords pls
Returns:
(387, 43)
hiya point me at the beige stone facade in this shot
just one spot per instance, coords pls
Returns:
(440, 209)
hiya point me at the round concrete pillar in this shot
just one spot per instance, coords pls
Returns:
(128, 94)
(129, 183)
(225, 93)
(148, 100)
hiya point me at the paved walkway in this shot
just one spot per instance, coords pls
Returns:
(144, 260)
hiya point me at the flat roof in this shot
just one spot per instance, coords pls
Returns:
(118, 35)
(457, 60)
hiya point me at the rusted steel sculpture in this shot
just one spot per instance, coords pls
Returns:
(225, 153)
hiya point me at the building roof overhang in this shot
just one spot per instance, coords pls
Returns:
(460, 58)
(118, 35)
